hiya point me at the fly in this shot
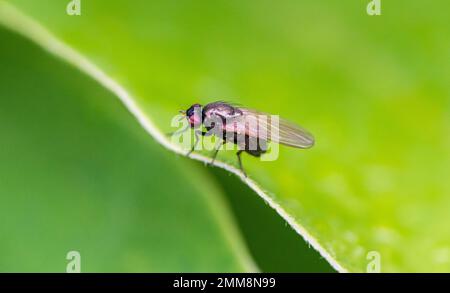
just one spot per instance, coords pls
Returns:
(249, 129)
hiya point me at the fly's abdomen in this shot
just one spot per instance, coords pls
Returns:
(249, 144)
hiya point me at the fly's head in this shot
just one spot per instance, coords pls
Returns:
(194, 115)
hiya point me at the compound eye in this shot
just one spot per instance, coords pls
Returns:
(190, 112)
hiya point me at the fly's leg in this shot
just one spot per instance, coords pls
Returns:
(216, 151)
(238, 154)
(197, 139)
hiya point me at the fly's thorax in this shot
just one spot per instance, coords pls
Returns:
(220, 109)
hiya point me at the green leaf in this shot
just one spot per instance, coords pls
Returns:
(275, 246)
(78, 173)
(372, 89)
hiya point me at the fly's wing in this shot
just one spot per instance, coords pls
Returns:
(270, 128)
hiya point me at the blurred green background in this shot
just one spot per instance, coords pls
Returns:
(373, 89)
